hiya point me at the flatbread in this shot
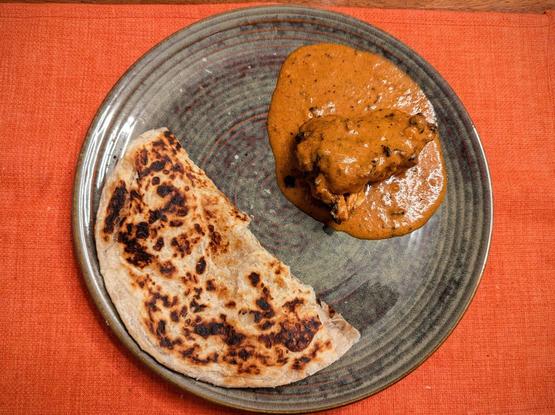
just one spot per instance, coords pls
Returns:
(193, 285)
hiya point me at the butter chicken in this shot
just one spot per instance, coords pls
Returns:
(355, 142)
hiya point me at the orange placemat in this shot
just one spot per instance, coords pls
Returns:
(57, 62)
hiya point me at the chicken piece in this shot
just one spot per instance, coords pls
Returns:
(340, 156)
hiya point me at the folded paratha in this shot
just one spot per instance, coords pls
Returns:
(193, 285)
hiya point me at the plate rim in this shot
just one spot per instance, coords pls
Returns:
(83, 256)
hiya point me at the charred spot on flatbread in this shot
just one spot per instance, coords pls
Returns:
(117, 201)
(254, 278)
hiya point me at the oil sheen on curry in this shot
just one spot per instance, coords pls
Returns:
(355, 142)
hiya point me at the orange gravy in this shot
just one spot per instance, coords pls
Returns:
(327, 79)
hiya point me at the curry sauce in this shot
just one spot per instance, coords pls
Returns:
(371, 130)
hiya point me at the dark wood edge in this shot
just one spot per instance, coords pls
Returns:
(515, 6)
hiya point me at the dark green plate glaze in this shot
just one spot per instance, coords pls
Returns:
(211, 84)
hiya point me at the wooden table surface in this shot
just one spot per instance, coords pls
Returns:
(521, 6)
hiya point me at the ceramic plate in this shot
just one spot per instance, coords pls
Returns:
(211, 84)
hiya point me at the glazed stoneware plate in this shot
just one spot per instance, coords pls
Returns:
(211, 84)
